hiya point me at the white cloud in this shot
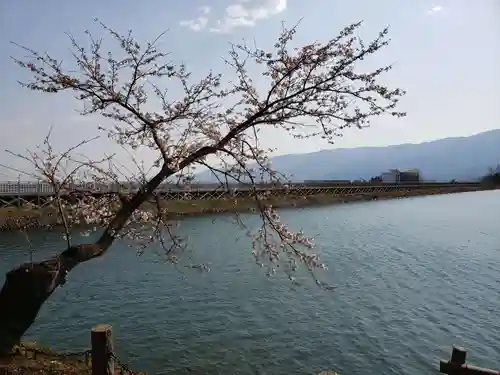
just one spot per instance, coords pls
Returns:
(435, 9)
(242, 13)
(197, 24)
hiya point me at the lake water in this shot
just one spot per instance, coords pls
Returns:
(412, 276)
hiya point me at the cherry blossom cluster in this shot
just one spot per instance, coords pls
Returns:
(212, 123)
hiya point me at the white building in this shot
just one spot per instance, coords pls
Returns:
(395, 176)
(390, 177)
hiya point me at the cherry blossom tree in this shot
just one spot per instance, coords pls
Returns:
(317, 90)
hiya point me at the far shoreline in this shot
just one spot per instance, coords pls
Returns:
(18, 218)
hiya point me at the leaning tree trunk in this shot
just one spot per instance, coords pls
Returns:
(27, 287)
(22, 296)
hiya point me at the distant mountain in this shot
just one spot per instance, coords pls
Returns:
(462, 158)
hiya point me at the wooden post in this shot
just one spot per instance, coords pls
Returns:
(457, 366)
(458, 356)
(455, 363)
(102, 350)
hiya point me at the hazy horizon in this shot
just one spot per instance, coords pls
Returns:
(454, 163)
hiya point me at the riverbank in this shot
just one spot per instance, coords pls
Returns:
(15, 218)
(31, 359)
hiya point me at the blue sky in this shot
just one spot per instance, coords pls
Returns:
(446, 55)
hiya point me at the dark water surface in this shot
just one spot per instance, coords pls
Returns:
(413, 277)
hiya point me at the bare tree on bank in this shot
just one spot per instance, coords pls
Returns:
(312, 91)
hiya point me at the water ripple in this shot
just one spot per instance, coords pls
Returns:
(413, 278)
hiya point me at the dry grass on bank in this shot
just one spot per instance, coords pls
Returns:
(40, 361)
(31, 359)
(191, 207)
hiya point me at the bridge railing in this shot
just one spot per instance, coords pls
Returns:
(15, 188)
(19, 187)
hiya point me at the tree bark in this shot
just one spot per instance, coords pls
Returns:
(28, 286)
